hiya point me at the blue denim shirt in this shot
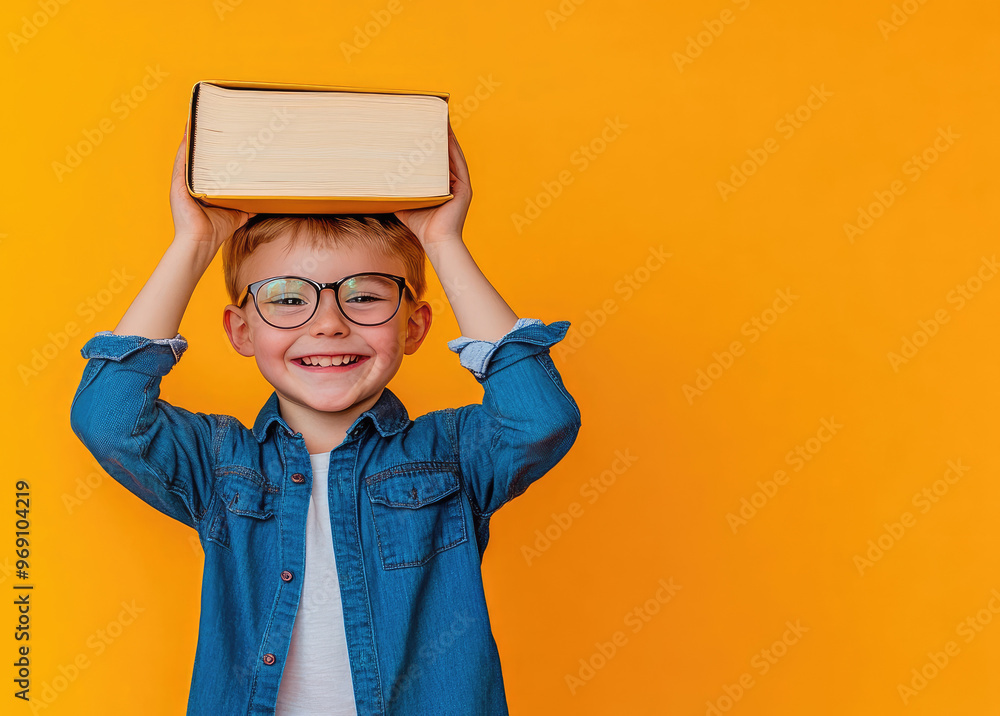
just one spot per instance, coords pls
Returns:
(410, 507)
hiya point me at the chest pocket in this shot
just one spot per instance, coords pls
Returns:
(417, 512)
(243, 497)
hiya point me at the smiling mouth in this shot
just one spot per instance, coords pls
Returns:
(329, 361)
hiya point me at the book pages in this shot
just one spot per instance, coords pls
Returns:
(319, 144)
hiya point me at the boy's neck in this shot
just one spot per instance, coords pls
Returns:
(321, 431)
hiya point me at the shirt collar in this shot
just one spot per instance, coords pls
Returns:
(388, 414)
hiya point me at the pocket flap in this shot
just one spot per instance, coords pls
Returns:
(246, 493)
(412, 487)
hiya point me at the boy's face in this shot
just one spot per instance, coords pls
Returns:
(309, 395)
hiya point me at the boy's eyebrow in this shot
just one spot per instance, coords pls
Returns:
(354, 273)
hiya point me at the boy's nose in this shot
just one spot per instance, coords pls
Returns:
(328, 317)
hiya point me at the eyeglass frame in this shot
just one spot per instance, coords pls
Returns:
(253, 288)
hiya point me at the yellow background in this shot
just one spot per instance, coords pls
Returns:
(556, 80)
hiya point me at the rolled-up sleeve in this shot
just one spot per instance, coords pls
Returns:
(527, 421)
(161, 453)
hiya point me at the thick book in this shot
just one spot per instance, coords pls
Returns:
(271, 148)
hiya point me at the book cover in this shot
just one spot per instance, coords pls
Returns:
(301, 203)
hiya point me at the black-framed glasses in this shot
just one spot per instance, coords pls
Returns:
(366, 299)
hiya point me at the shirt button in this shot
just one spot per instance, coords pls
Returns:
(286, 575)
(268, 659)
(298, 477)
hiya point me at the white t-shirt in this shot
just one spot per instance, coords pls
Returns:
(317, 674)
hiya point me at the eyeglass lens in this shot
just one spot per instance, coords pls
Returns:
(365, 299)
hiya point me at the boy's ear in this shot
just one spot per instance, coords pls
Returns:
(234, 321)
(417, 326)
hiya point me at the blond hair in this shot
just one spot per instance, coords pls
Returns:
(381, 233)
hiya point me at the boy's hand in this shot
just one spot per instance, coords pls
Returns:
(445, 221)
(192, 220)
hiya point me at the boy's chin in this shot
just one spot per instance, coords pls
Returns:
(334, 402)
(328, 403)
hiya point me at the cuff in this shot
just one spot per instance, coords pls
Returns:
(149, 355)
(527, 337)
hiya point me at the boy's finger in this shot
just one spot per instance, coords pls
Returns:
(179, 157)
(456, 156)
(459, 166)
(452, 139)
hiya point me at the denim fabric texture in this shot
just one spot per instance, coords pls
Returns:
(410, 507)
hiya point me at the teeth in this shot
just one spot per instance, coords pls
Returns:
(329, 360)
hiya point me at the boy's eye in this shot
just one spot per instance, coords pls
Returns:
(363, 298)
(287, 301)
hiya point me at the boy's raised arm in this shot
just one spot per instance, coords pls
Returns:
(157, 309)
(528, 420)
(161, 453)
(199, 231)
(481, 312)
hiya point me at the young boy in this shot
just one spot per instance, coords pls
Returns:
(343, 540)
